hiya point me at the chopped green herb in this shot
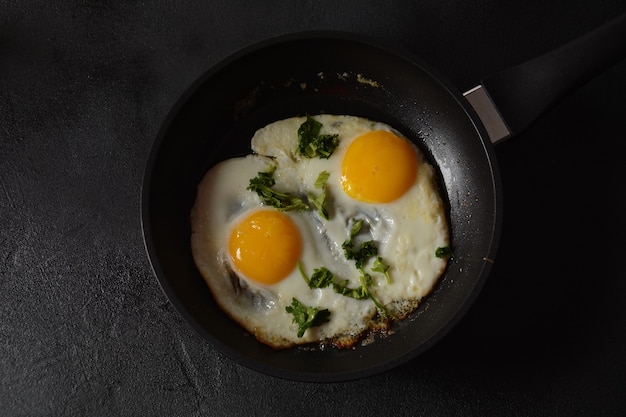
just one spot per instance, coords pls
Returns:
(381, 266)
(356, 228)
(319, 202)
(321, 278)
(265, 178)
(306, 317)
(444, 252)
(359, 293)
(365, 251)
(302, 272)
(320, 182)
(262, 184)
(366, 279)
(366, 282)
(311, 144)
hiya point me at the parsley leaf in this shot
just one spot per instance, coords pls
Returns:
(366, 282)
(311, 144)
(319, 202)
(306, 317)
(356, 228)
(262, 184)
(365, 251)
(320, 182)
(381, 266)
(444, 252)
(359, 293)
(321, 278)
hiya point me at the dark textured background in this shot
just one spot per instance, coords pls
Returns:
(84, 326)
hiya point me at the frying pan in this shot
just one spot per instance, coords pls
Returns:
(340, 73)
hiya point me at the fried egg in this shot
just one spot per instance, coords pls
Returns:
(257, 259)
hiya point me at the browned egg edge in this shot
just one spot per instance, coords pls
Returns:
(378, 326)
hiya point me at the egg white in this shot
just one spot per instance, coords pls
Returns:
(408, 232)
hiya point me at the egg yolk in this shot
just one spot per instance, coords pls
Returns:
(378, 167)
(265, 246)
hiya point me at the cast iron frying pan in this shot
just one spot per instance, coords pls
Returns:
(313, 73)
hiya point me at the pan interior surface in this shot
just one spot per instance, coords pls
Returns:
(320, 73)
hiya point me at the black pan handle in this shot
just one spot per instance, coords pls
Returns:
(520, 95)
